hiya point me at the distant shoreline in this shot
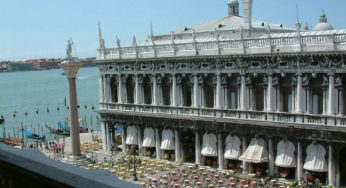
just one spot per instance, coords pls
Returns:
(42, 69)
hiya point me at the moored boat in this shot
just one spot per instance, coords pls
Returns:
(58, 131)
(33, 135)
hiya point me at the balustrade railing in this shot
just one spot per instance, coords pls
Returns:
(259, 43)
(285, 117)
(227, 113)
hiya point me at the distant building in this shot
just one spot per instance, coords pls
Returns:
(43, 64)
(88, 62)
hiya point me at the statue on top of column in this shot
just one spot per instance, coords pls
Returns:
(69, 49)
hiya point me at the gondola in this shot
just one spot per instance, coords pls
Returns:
(58, 131)
(2, 120)
(33, 135)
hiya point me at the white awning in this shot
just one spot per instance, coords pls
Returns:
(256, 152)
(167, 142)
(232, 150)
(285, 155)
(149, 138)
(209, 145)
(315, 158)
(132, 136)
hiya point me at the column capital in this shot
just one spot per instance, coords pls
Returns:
(331, 73)
(269, 74)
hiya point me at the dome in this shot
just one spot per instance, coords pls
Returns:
(233, 2)
(323, 25)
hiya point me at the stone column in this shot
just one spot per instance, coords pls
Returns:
(174, 90)
(331, 95)
(123, 137)
(120, 89)
(308, 101)
(337, 171)
(197, 148)
(71, 67)
(108, 136)
(177, 145)
(158, 144)
(195, 91)
(270, 96)
(331, 169)
(139, 132)
(299, 168)
(341, 101)
(154, 101)
(220, 151)
(111, 134)
(104, 135)
(137, 93)
(100, 88)
(271, 157)
(245, 164)
(243, 93)
(299, 94)
(218, 91)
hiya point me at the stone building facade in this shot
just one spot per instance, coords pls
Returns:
(232, 93)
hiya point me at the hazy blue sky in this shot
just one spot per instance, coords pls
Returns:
(40, 28)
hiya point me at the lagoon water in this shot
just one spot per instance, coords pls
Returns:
(27, 91)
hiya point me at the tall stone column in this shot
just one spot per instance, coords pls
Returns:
(299, 94)
(137, 93)
(123, 137)
(108, 136)
(197, 148)
(104, 135)
(218, 90)
(100, 88)
(139, 139)
(308, 101)
(337, 171)
(174, 90)
(104, 88)
(195, 91)
(270, 96)
(120, 89)
(220, 151)
(70, 66)
(331, 169)
(271, 157)
(331, 95)
(341, 101)
(243, 93)
(154, 81)
(158, 144)
(299, 168)
(177, 145)
(245, 164)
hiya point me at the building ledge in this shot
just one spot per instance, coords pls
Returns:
(260, 118)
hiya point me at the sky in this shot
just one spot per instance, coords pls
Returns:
(31, 29)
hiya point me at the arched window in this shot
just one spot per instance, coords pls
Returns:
(130, 90)
(317, 94)
(232, 93)
(187, 91)
(166, 91)
(114, 89)
(258, 93)
(147, 89)
(208, 88)
(286, 93)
